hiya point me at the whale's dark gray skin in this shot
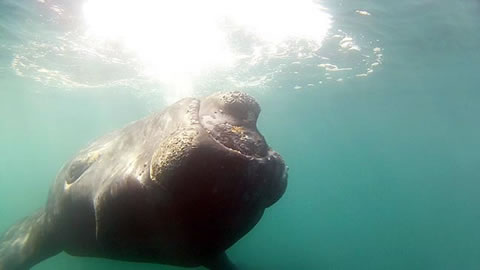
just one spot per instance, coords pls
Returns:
(178, 187)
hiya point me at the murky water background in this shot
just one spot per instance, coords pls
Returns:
(373, 105)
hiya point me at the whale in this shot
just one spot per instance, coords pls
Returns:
(178, 187)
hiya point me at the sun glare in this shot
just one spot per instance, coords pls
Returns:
(183, 38)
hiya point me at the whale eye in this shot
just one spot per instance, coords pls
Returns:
(80, 165)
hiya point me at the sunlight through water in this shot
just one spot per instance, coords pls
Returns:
(176, 41)
(183, 48)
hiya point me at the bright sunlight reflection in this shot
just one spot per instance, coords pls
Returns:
(183, 38)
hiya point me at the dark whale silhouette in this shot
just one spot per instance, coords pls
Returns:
(178, 187)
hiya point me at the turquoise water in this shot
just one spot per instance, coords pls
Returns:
(377, 120)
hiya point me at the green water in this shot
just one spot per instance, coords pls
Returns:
(383, 168)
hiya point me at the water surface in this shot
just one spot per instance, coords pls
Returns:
(373, 105)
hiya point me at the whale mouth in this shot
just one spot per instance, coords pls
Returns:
(230, 120)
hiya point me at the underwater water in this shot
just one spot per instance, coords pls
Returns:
(374, 105)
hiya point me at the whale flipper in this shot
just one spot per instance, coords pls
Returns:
(26, 243)
(221, 262)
